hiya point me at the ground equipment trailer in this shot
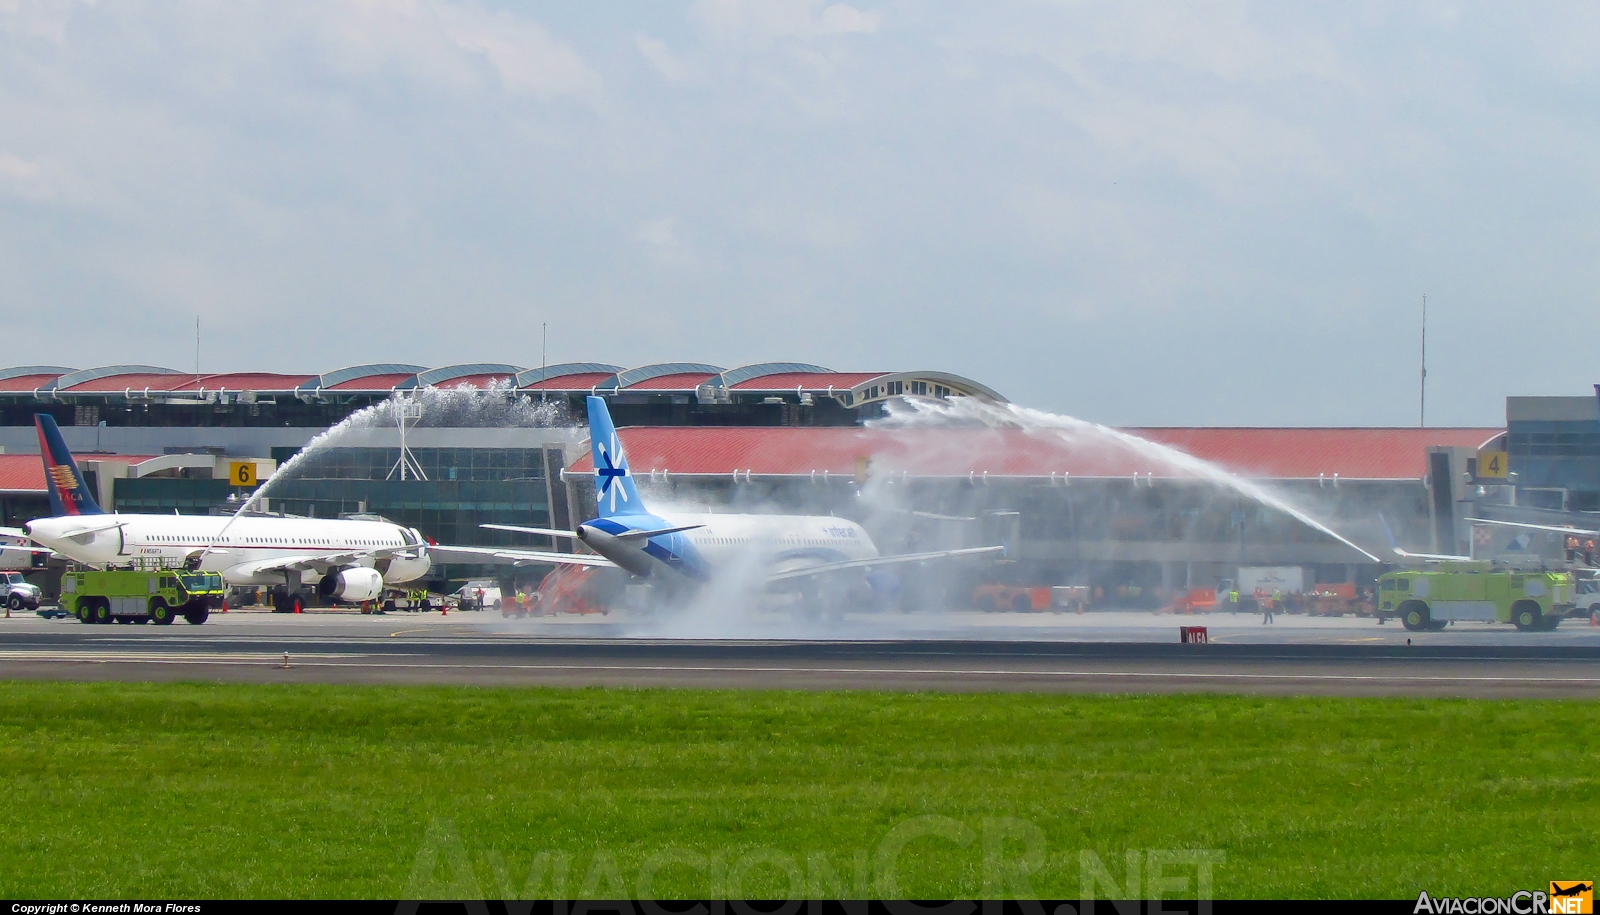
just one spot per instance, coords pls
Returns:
(1434, 597)
(141, 596)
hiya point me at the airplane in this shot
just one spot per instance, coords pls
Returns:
(17, 552)
(684, 550)
(350, 560)
(1394, 545)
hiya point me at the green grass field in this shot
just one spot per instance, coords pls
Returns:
(116, 790)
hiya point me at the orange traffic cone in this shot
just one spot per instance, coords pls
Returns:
(1594, 618)
(224, 605)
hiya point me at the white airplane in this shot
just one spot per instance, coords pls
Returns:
(349, 560)
(16, 550)
(685, 549)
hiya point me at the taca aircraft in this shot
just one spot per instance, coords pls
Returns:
(348, 559)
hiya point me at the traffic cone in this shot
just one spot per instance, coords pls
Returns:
(224, 605)
(1594, 618)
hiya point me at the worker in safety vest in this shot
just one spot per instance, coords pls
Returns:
(1233, 600)
(1269, 605)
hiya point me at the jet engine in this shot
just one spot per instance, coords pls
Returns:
(351, 584)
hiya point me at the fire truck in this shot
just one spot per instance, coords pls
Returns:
(1430, 599)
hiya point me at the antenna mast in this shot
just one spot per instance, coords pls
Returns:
(407, 409)
(544, 358)
(1422, 410)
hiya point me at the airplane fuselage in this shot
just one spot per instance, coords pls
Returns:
(768, 543)
(179, 539)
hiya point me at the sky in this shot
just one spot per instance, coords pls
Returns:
(1137, 213)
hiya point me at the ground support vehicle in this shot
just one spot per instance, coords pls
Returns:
(1335, 600)
(997, 598)
(478, 595)
(141, 595)
(1194, 600)
(16, 593)
(570, 589)
(1532, 600)
(1588, 599)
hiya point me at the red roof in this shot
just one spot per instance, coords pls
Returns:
(678, 381)
(579, 381)
(25, 472)
(240, 381)
(372, 382)
(1353, 454)
(26, 383)
(476, 381)
(133, 381)
(810, 381)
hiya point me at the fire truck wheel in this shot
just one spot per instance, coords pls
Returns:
(1414, 615)
(160, 612)
(1525, 615)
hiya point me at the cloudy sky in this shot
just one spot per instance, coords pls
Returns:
(1137, 213)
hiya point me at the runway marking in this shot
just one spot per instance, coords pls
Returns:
(325, 661)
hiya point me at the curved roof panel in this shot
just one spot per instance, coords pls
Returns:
(264, 382)
(576, 381)
(536, 377)
(477, 373)
(636, 376)
(810, 381)
(25, 379)
(376, 376)
(957, 382)
(19, 371)
(87, 378)
(676, 381)
(747, 372)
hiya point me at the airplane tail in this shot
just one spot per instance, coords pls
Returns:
(69, 494)
(614, 492)
(1393, 543)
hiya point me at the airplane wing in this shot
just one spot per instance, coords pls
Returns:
(878, 561)
(625, 535)
(513, 556)
(541, 531)
(320, 562)
(1576, 531)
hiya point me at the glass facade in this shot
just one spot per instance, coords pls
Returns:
(1554, 455)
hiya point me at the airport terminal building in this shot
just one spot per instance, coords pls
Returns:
(1077, 505)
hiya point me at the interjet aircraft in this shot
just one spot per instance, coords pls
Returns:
(346, 559)
(682, 549)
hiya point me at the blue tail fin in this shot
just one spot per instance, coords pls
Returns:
(614, 492)
(69, 494)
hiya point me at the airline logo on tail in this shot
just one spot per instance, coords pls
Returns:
(614, 492)
(608, 472)
(69, 494)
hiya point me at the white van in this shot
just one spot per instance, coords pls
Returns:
(483, 594)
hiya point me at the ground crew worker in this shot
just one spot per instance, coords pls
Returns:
(1588, 552)
(1233, 600)
(1269, 605)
